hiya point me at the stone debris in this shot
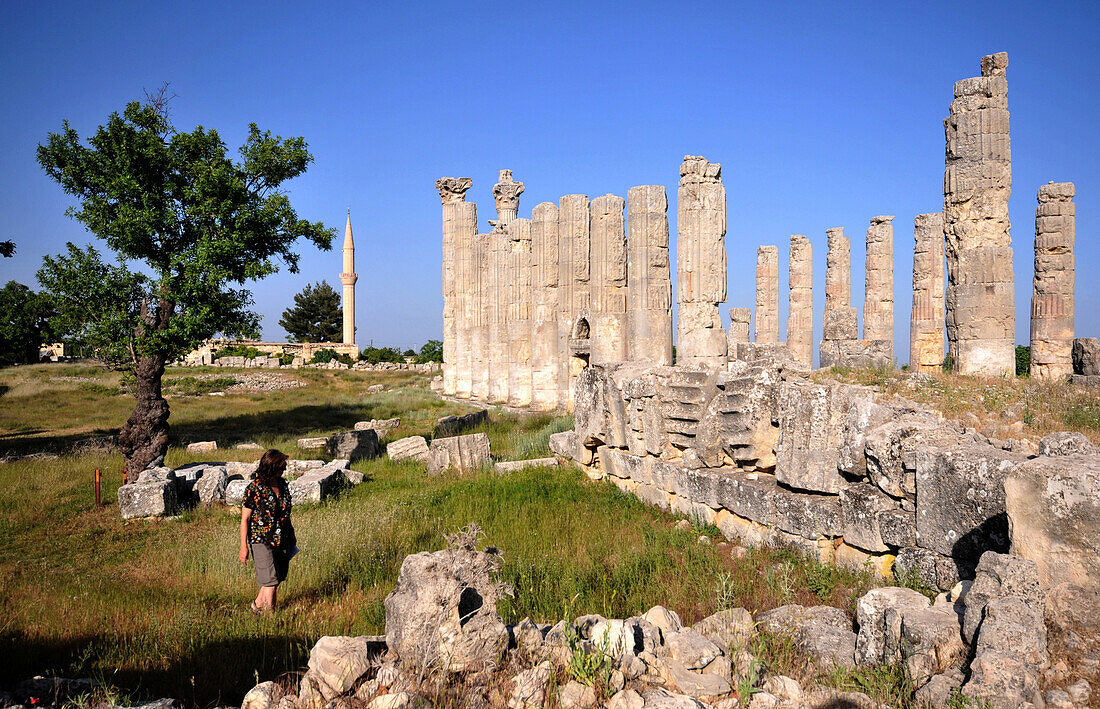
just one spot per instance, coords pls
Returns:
(412, 447)
(381, 427)
(355, 445)
(514, 466)
(315, 443)
(453, 425)
(458, 453)
(1086, 356)
(823, 632)
(202, 447)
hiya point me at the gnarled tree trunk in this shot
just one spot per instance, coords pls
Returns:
(144, 438)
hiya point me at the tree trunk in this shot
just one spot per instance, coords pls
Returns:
(144, 438)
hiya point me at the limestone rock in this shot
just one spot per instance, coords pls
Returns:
(860, 509)
(202, 447)
(210, 488)
(452, 425)
(999, 576)
(1009, 655)
(689, 648)
(379, 426)
(936, 570)
(936, 693)
(514, 466)
(892, 451)
(355, 445)
(312, 443)
(731, 628)
(234, 492)
(1086, 356)
(264, 695)
(664, 619)
(316, 485)
(811, 429)
(336, 662)
(530, 687)
(872, 610)
(823, 632)
(459, 453)
(442, 612)
(927, 640)
(695, 684)
(575, 695)
(663, 699)
(151, 499)
(564, 444)
(412, 447)
(1067, 443)
(1054, 518)
(960, 500)
(626, 699)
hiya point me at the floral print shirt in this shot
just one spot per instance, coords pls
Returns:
(270, 523)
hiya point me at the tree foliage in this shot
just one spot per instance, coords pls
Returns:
(374, 355)
(432, 351)
(1023, 361)
(176, 206)
(7, 249)
(316, 315)
(24, 323)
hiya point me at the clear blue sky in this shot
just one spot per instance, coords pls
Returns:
(822, 115)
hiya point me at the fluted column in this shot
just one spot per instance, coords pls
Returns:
(800, 315)
(608, 278)
(452, 195)
(980, 303)
(506, 194)
(767, 294)
(649, 277)
(926, 328)
(497, 289)
(878, 302)
(700, 264)
(518, 312)
(546, 352)
(479, 318)
(1052, 298)
(739, 331)
(574, 283)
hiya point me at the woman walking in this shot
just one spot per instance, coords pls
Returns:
(266, 529)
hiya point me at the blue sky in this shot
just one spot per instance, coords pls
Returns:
(822, 115)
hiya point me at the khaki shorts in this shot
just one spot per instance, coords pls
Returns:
(271, 564)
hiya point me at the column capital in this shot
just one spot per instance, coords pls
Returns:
(453, 189)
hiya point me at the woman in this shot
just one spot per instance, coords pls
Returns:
(266, 528)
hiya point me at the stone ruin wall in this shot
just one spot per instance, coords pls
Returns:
(772, 456)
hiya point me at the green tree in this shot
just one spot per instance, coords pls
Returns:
(374, 355)
(177, 206)
(432, 351)
(7, 249)
(24, 323)
(316, 315)
(1023, 360)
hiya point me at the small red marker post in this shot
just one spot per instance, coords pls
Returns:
(97, 502)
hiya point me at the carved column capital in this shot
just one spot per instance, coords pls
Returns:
(453, 189)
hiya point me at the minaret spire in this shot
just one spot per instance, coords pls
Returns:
(348, 278)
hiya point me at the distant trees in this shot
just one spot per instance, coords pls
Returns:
(24, 323)
(374, 355)
(177, 206)
(432, 351)
(316, 315)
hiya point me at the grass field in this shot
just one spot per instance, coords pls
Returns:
(159, 608)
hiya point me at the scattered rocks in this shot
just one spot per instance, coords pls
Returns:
(381, 427)
(514, 466)
(337, 662)
(317, 443)
(823, 632)
(1067, 443)
(148, 499)
(202, 447)
(355, 445)
(453, 425)
(410, 448)
(875, 611)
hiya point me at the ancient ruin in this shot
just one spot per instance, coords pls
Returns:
(977, 182)
(700, 263)
(878, 303)
(649, 278)
(926, 329)
(800, 314)
(1052, 288)
(767, 294)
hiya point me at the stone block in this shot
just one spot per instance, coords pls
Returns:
(927, 640)
(823, 632)
(459, 453)
(999, 576)
(382, 426)
(452, 425)
(860, 507)
(202, 447)
(898, 527)
(564, 444)
(961, 500)
(248, 470)
(1086, 356)
(934, 569)
(412, 447)
(316, 443)
(872, 610)
(891, 450)
(857, 354)
(234, 492)
(514, 466)
(1067, 443)
(210, 488)
(150, 499)
(1053, 506)
(355, 445)
(317, 485)
(811, 431)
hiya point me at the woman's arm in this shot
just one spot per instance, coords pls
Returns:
(246, 516)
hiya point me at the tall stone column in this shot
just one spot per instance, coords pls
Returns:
(518, 312)
(348, 277)
(479, 318)
(977, 182)
(1052, 297)
(800, 316)
(739, 329)
(841, 322)
(545, 343)
(700, 264)
(767, 294)
(452, 195)
(878, 302)
(497, 292)
(574, 285)
(649, 276)
(506, 194)
(608, 278)
(926, 329)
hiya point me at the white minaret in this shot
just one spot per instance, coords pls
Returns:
(348, 278)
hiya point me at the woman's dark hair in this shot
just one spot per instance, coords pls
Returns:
(271, 466)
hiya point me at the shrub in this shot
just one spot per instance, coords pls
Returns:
(239, 351)
(1023, 360)
(374, 355)
(327, 355)
(432, 351)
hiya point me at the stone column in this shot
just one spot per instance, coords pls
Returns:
(1052, 304)
(574, 271)
(497, 290)
(479, 318)
(739, 329)
(878, 301)
(977, 182)
(800, 316)
(700, 264)
(608, 278)
(506, 194)
(649, 276)
(452, 195)
(926, 338)
(840, 317)
(545, 343)
(767, 294)
(518, 312)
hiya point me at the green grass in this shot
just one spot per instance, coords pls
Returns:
(159, 608)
